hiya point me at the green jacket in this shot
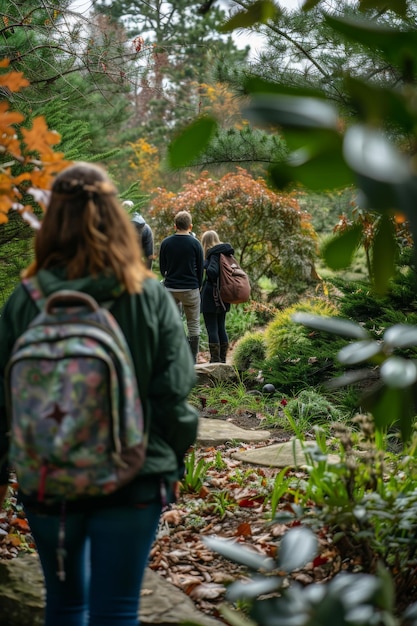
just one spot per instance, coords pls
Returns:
(162, 360)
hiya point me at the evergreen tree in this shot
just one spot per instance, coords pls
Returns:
(67, 58)
(180, 49)
(302, 50)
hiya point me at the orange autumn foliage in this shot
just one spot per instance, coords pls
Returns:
(28, 159)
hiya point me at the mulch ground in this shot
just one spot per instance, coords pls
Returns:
(232, 503)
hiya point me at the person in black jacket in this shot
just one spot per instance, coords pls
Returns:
(213, 309)
(181, 264)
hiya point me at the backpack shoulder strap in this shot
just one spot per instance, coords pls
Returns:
(33, 288)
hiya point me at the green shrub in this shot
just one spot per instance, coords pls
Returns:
(311, 407)
(283, 334)
(249, 351)
(296, 360)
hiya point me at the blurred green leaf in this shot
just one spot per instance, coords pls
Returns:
(320, 171)
(384, 254)
(410, 612)
(258, 12)
(397, 46)
(298, 547)
(358, 589)
(345, 328)
(249, 590)
(386, 595)
(310, 4)
(280, 175)
(398, 373)
(291, 112)
(376, 105)
(401, 336)
(398, 6)
(370, 154)
(359, 351)
(390, 406)
(191, 142)
(239, 554)
(338, 252)
(386, 407)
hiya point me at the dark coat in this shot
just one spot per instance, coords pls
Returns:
(210, 302)
(145, 235)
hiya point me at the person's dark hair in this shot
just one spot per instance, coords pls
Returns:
(86, 230)
(183, 220)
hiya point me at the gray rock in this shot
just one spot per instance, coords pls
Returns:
(22, 597)
(287, 454)
(22, 594)
(213, 432)
(209, 373)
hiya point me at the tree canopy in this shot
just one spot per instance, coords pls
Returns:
(271, 235)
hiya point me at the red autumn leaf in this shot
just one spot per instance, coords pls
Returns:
(244, 530)
(250, 503)
(320, 560)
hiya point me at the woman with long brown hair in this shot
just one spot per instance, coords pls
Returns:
(87, 243)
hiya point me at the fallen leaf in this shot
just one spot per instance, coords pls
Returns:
(173, 517)
(21, 524)
(207, 591)
(250, 503)
(244, 530)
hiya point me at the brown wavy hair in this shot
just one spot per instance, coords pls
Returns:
(86, 230)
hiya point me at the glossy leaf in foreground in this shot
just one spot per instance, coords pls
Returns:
(249, 590)
(397, 46)
(358, 352)
(291, 112)
(355, 589)
(333, 325)
(384, 254)
(399, 373)
(398, 6)
(375, 103)
(257, 12)
(320, 169)
(239, 554)
(298, 547)
(401, 336)
(339, 250)
(191, 142)
(369, 153)
(310, 4)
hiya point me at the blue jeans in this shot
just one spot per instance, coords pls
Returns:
(107, 552)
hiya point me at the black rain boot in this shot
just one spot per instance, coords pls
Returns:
(214, 352)
(194, 342)
(223, 352)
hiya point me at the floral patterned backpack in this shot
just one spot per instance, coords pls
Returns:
(76, 419)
